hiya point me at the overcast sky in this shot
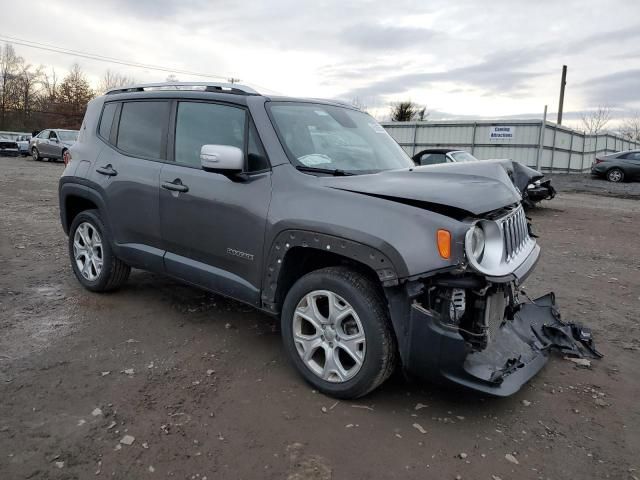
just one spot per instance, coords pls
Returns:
(459, 57)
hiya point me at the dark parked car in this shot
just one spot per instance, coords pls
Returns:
(529, 182)
(52, 144)
(310, 211)
(8, 147)
(618, 167)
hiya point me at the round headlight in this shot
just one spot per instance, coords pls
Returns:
(477, 243)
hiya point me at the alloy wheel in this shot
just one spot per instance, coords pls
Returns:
(614, 175)
(87, 251)
(328, 336)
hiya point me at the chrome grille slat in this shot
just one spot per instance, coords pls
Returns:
(515, 233)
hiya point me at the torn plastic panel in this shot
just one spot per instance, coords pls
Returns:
(483, 337)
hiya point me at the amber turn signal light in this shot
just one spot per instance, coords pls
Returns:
(444, 243)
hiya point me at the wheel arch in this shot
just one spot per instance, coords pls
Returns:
(295, 253)
(76, 198)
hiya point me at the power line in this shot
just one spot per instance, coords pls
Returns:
(103, 58)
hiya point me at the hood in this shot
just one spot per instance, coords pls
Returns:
(454, 189)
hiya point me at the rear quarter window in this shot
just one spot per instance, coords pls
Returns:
(106, 120)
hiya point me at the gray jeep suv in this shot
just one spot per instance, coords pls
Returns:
(308, 210)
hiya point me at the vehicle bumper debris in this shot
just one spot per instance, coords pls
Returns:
(512, 353)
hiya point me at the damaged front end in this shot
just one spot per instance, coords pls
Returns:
(472, 327)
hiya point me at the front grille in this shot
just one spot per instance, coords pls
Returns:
(515, 233)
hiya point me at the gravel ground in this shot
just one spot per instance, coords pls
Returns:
(161, 380)
(585, 183)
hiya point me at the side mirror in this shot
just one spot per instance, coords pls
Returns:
(221, 158)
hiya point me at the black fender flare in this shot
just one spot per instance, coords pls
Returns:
(68, 189)
(288, 239)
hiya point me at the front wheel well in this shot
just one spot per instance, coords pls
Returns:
(75, 204)
(300, 260)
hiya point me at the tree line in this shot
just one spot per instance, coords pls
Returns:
(33, 97)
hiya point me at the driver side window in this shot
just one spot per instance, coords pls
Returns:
(53, 136)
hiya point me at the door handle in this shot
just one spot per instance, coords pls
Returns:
(107, 170)
(175, 186)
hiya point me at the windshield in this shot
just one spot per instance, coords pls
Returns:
(68, 136)
(463, 157)
(335, 138)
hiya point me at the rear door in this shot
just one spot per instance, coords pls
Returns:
(213, 230)
(128, 171)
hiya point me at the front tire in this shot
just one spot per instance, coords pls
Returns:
(336, 331)
(615, 175)
(35, 154)
(94, 263)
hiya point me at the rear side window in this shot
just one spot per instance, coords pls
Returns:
(199, 124)
(107, 119)
(142, 128)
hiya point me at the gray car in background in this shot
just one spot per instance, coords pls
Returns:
(618, 167)
(52, 143)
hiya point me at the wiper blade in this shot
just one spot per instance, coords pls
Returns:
(336, 172)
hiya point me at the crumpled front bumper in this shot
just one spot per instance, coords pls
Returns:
(516, 353)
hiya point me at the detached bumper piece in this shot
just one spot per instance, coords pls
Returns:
(544, 191)
(516, 350)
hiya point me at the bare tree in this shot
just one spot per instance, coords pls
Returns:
(10, 65)
(112, 80)
(29, 86)
(630, 128)
(406, 111)
(50, 87)
(172, 78)
(595, 121)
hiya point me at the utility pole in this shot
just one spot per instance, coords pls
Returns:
(563, 82)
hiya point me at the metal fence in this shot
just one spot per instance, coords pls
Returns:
(542, 145)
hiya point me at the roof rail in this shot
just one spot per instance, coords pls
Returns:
(202, 86)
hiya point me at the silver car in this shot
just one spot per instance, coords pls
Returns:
(52, 144)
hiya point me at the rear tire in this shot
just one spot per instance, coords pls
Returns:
(615, 175)
(94, 264)
(347, 350)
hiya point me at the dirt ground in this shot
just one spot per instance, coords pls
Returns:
(201, 383)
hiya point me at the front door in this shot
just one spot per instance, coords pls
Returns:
(213, 230)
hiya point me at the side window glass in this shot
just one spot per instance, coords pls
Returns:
(53, 136)
(257, 157)
(141, 128)
(44, 134)
(199, 124)
(106, 120)
(432, 158)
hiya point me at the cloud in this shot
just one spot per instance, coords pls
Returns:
(499, 73)
(619, 89)
(383, 37)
